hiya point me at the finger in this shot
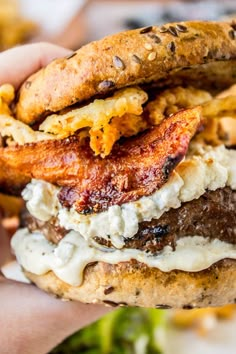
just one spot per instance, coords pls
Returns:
(18, 63)
(36, 322)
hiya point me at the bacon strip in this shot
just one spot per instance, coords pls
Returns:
(136, 167)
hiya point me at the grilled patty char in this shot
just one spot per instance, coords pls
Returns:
(213, 215)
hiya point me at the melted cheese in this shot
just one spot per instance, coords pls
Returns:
(69, 258)
(205, 168)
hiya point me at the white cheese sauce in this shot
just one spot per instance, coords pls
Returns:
(13, 271)
(203, 168)
(69, 258)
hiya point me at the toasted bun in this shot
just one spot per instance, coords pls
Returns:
(196, 51)
(135, 284)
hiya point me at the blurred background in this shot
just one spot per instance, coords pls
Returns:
(73, 23)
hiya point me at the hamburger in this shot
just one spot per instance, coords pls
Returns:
(124, 155)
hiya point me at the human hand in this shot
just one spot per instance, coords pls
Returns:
(32, 322)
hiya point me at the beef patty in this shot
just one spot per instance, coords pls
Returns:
(213, 215)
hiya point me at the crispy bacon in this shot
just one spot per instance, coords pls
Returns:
(136, 167)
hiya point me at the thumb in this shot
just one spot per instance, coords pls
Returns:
(18, 63)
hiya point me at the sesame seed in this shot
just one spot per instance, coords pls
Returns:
(146, 29)
(164, 307)
(109, 290)
(181, 28)
(27, 84)
(173, 31)
(118, 62)
(152, 56)
(148, 46)
(187, 307)
(110, 303)
(232, 34)
(71, 55)
(171, 47)
(136, 59)
(155, 38)
(105, 85)
(233, 25)
(163, 29)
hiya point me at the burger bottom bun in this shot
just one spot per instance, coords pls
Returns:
(135, 284)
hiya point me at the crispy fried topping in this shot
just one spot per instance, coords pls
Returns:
(214, 110)
(108, 120)
(135, 168)
(105, 121)
(103, 139)
(219, 107)
(17, 131)
(172, 100)
(125, 104)
(217, 129)
(7, 95)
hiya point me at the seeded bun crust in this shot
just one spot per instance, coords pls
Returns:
(199, 51)
(135, 284)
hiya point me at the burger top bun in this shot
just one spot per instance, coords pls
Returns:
(202, 53)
